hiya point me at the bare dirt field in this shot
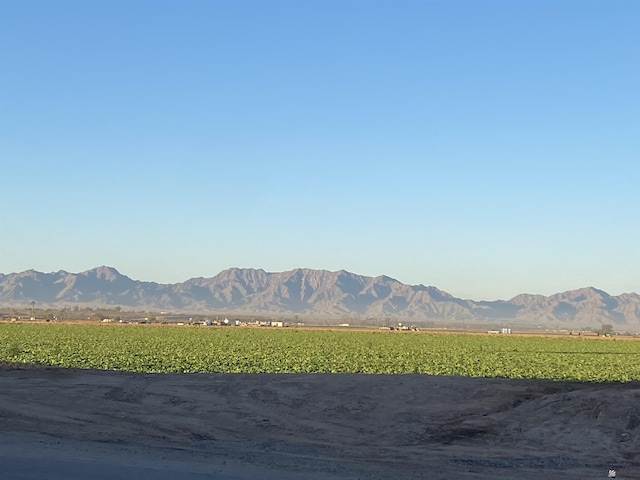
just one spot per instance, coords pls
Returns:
(68, 423)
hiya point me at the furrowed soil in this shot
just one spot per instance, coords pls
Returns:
(105, 424)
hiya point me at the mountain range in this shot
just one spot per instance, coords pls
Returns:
(316, 293)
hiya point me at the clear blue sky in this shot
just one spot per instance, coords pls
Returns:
(488, 148)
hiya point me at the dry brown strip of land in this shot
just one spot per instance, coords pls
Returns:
(325, 426)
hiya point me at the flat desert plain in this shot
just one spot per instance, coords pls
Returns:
(73, 424)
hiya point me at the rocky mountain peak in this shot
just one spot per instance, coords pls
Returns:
(315, 292)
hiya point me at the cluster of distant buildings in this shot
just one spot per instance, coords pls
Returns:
(207, 323)
(402, 327)
(257, 323)
(503, 331)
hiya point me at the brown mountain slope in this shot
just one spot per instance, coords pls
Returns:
(316, 292)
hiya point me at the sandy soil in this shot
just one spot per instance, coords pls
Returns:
(209, 426)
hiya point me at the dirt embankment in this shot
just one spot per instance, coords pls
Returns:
(322, 426)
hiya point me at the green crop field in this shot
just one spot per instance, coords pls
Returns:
(254, 350)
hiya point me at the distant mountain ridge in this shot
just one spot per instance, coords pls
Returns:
(314, 292)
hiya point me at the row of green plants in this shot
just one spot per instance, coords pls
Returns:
(159, 349)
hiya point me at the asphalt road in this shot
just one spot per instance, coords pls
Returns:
(36, 457)
(17, 468)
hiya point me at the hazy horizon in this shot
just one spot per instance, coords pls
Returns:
(486, 148)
